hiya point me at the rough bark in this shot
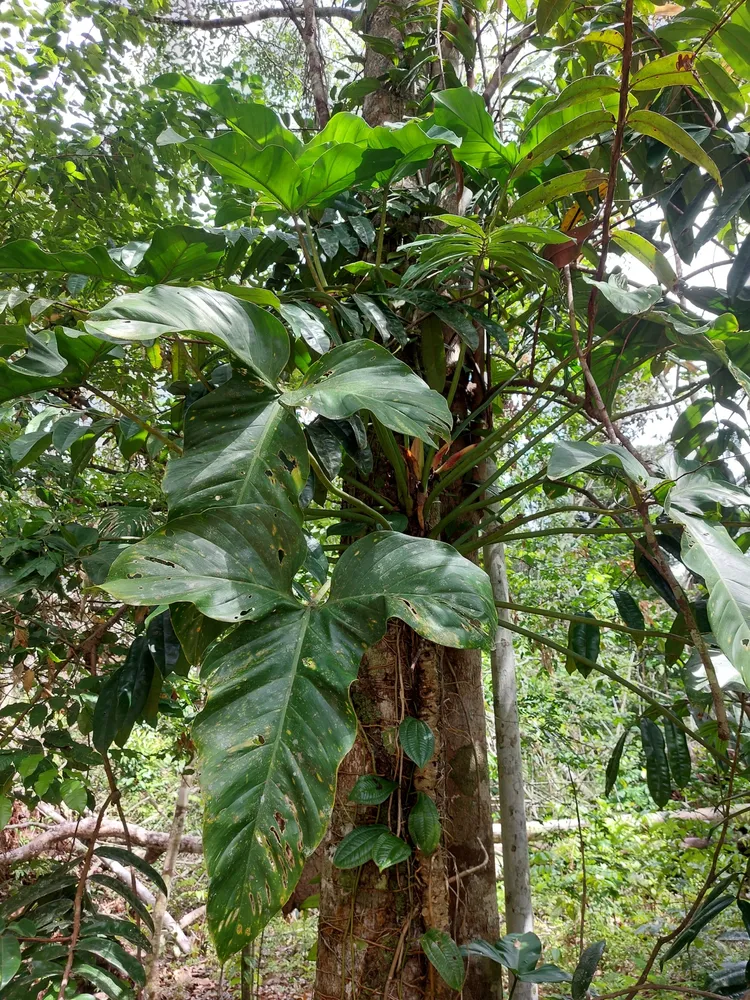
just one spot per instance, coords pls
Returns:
(385, 104)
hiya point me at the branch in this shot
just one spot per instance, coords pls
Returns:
(240, 20)
(106, 830)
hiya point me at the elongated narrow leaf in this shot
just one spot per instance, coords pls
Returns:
(584, 972)
(126, 892)
(657, 767)
(675, 137)
(233, 563)
(276, 725)
(10, 958)
(707, 912)
(584, 127)
(443, 953)
(647, 254)
(678, 753)
(254, 335)
(558, 187)
(25, 257)
(362, 375)
(115, 955)
(584, 640)
(241, 446)
(630, 611)
(132, 860)
(123, 696)
(673, 70)
(576, 93)
(613, 764)
(417, 740)
(709, 551)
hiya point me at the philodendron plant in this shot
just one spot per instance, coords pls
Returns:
(230, 562)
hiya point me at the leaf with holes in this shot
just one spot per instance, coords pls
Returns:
(362, 375)
(241, 446)
(417, 740)
(254, 335)
(442, 952)
(232, 563)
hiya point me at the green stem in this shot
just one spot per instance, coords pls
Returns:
(314, 249)
(392, 452)
(456, 376)
(308, 259)
(381, 228)
(499, 536)
(127, 412)
(584, 620)
(371, 493)
(343, 495)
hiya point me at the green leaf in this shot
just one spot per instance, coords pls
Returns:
(181, 253)
(709, 551)
(577, 93)
(584, 971)
(674, 137)
(81, 353)
(103, 925)
(341, 168)
(28, 447)
(425, 583)
(442, 952)
(582, 639)
(123, 696)
(233, 563)
(6, 811)
(371, 790)
(569, 457)
(424, 824)
(613, 764)
(545, 973)
(73, 793)
(629, 610)
(163, 643)
(583, 127)
(307, 323)
(276, 725)
(10, 958)
(417, 740)
(738, 278)
(362, 375)
(357, 846)
(126, 893)
(657, 767)
(132, 860)
(558, 187)
(254, 335)
(241, 446)
(389, 850)
(464, 112)
(42, 358)
(115, 955)
(271, 169)
(647, 254)
(678, 753)
(25, 256)
(675, 644)
(703, 916)
(672, 70)
(387, 324)
(548, 13)
(615, 290)
(720, 84)
(106, 983)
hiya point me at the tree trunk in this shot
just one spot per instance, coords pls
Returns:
(519, 915)
(385, 104)
(370, 923)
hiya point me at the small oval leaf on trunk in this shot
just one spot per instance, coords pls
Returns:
(657, 767)
(417, 740)
(443, 953)
(678, 753)
(584, 972)
(424, 824)
(371, 790)
(390, 850)
(357, 846)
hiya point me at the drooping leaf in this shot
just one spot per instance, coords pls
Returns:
(115, 955)
(125, 891)
(254, 335)
(232, 563)
(371, 790)
(163, 643)
(241, 446)
(442, 952)
(548, 13)
(10, 958)
(417, 740)
(584, 971)
(424, 824)
(123, 695)
(674, 137)
(25, 256)
(632, 303)
(678, 753)
(710, 909)
(583, 639)
(630, 611)
(362, 375)
(569, 457)
(613, 764)
(307, 323)
(181, 253)
(583, 127)
(464, 112)
(672, 70)
(42, 358)
(657, 767)
(709, 551)
(129, 859)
